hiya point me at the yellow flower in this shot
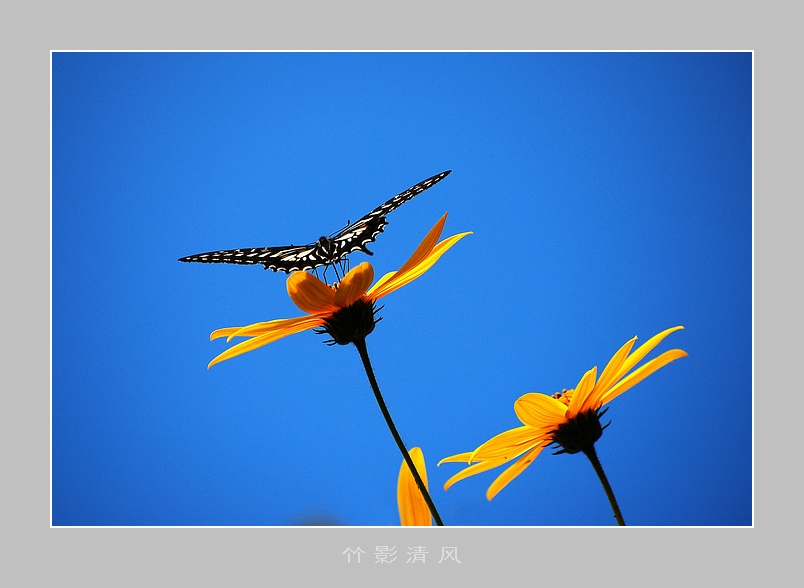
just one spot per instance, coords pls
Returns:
(569, 418)
(413, 510)
(344, 310)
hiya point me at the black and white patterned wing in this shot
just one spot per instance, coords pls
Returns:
(364, 231)
(287, 259)
(325, 251)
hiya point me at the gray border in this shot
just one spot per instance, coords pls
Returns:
(171, 555)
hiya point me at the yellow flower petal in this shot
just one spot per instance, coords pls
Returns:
(224, 332)
(380, 282)
(426, 246)
(281, 327)
(643, 372)
(240, 348)
(288, 327)
(458, 457)
(472, 470)
(354, 285)
(400, 279)
(582, 392)
(413, 509)
(612, 372)
(643, 350)
(509, 444)
(483, 466)
(311, 294)
(264, 328)
(539, 410)
(422, 251)
(513, 471)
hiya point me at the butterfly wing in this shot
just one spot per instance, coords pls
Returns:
(327, 250)
(365, 230)
(287, 259)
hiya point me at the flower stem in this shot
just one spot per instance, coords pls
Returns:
(361, 348)
(592, 455)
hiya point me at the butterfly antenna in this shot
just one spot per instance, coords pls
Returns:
(348, 222)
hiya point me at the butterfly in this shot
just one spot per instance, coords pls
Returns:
(327, 250)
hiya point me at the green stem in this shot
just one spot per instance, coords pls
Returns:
(361, 348)
(592, 455)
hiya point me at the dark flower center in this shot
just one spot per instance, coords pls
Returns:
(580, 432)
(350, 323)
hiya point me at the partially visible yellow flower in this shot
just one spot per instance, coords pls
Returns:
(569, 418)
(339, 308)
(413, 510)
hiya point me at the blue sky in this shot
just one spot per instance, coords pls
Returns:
(610, 195)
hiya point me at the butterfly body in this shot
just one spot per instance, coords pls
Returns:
(326, 250)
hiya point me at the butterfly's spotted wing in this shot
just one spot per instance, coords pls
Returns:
(325, 251)
(287, 259)
(365, 230)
